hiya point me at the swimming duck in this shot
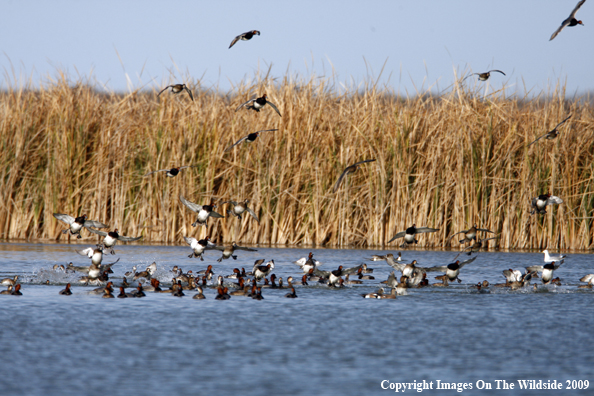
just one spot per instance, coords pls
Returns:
(238, 208)
(539, 204)
(410, 232)
(292, 294)
(444, 281)
(551, 134)
(9, 281)
(469, 234)
(375, 295)
(262, 271)
(171, 172)
(485, 76)
(249, 138)
(547, 270)
(366, 270)
(177, 88)
(77, 224)
(139, 292)
(589, 279)
(208, 271)
(451, 270)
(388, 258)
(112, 237)
(391, 296)
(7, 291)
(244, 36)
(361, 276)
(199, 295)
(199, 246)
(16, 291)
(66, 291)
(549, 259)
(204, 211)
(108, 291)
(349, 169)
(347, 281)
(123, 293)
(570, 21)
(258, 103)
(179, 291)
(307, 264)
(258, 295)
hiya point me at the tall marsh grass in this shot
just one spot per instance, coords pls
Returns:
(445, 162)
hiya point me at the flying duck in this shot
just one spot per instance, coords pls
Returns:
(245, 36)
(258, 103)
(249, 138)
(409, 234)
(551, 134)
(112, 237)
(204, 211)
(76, 224)
(349, 169)
(570, 21)
(177, 88)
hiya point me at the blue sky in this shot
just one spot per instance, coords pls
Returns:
(153, 43)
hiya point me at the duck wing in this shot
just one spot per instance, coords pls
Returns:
(216, 215)
(253, 214)
(562, 122)
(537, 139)
(550, 201)
(274, 107)
(245, 104)
(164, 89)
(189, 93)
(236, 39)
(93, 223)
(398, 235)
(160, 170)
(339, 181)
(64, 218)
(458, 233)
(190, 240)
(535, 268)
(463, 263)
(351, 270)
(127, 239)
(424, 230)
(94, 231)
(88, 252)
(190, 205)
(498, 71)
(236, 143)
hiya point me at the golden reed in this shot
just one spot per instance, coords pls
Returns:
(445, 162)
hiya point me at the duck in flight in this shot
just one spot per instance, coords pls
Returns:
(249, 138)
(410, 232)
(171, 172)
(349, 169)
(570, 21)
(551, 134)
(177, 88)
(258, 103)
(245, 36)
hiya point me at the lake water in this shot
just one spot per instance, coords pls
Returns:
(325, 342)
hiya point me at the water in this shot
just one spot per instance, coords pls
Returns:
(327, 341)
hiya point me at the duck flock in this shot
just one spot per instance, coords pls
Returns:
(250, 283)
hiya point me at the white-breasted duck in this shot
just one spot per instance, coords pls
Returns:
(177, 88)
(172, 172)
(261, 271)
(349, 169)
(77, 224)
(547, 270)
(307, 263)
(111, 238)
(470, 234)
(249, 138)
(238, 208)
(451, 270)
(570, 20)
(96, 255)
(551, 134)
(335, 276)
(410, 232)
(199, 246)
(540, 203)
(244, 36)
(258, 103)
(9, 281)
(203, 211)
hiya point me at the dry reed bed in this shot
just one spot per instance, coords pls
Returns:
(443, 162)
